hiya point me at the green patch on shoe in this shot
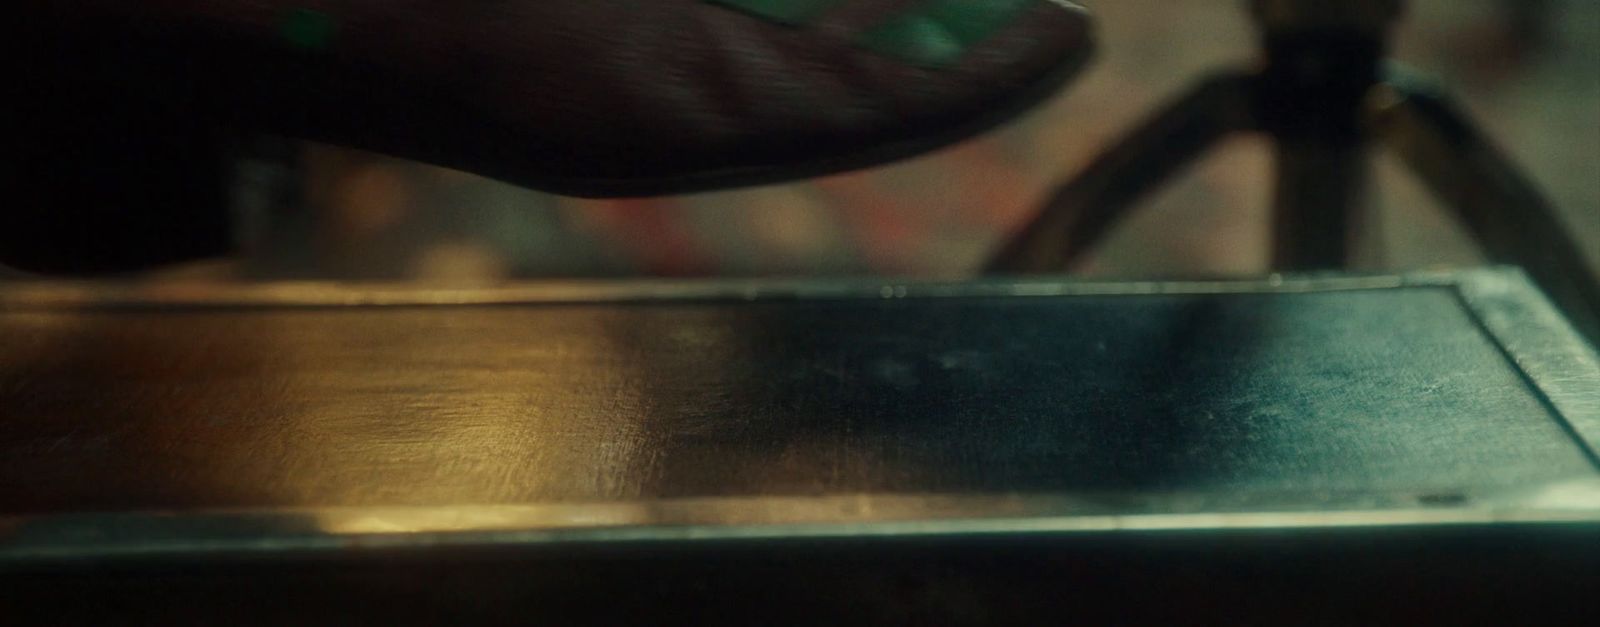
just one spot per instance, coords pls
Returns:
(939, 32)
(788, 12)
(307, 29)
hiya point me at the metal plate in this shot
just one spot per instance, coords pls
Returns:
(181, 420)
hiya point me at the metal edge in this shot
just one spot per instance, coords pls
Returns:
(54, 295)
(1540, 343)
(145, 535)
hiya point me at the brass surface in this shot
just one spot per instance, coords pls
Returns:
(138, 419)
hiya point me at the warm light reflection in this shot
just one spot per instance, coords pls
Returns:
(1576, 501)
(477, 413)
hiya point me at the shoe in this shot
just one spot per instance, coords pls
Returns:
(581, 97)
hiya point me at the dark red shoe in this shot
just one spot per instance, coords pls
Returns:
(586, 97)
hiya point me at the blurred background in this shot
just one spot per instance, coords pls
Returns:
(1529, 71)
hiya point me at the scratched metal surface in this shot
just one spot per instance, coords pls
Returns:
(1307, 391)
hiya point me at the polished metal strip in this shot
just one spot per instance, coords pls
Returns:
(26, 539)
(55, 295)
(1544, 346)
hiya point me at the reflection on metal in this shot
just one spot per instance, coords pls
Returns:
(176, 422)
(141, 535)
(61, 295)
(1542, 344)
